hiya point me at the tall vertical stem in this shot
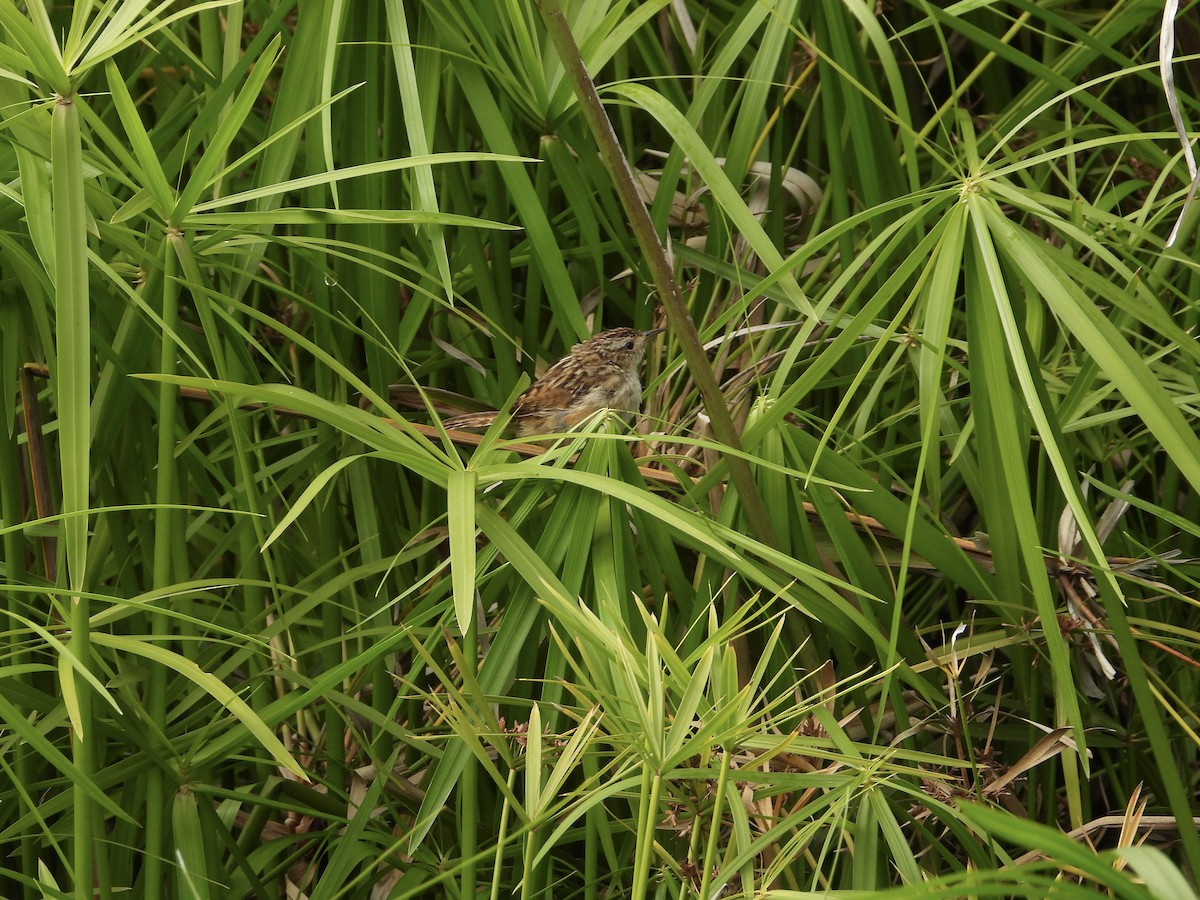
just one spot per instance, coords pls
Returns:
(165, 536)
(72, 391)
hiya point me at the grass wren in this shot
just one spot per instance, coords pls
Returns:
(599, 373)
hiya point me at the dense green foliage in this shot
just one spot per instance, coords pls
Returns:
(265, 636)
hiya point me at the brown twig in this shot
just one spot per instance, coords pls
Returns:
(682, 326)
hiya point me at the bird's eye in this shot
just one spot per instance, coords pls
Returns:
(629, 345)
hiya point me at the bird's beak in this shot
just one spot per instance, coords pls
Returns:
(652, 332)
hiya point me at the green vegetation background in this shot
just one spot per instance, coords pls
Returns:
(263, 636)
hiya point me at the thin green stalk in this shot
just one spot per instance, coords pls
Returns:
(714, 829)
(468, 786)
(72, 375)
(594, 820)
(647, 819)
(230, 365)
(329, 520)
(682, 325)
(501, 840)
(529, 873)
(165, 536)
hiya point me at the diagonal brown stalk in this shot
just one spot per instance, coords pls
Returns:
(660, 267)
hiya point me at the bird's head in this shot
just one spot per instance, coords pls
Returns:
(621, 347)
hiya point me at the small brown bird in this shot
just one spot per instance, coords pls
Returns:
(601, 372)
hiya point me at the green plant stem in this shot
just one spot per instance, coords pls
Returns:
(648, 814)
(166, 492)
(594, 821)
(682, 325)
(714, 830)
(468, 786)
(72, 376)
(501, 840)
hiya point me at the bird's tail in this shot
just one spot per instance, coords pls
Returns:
(470, 421)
